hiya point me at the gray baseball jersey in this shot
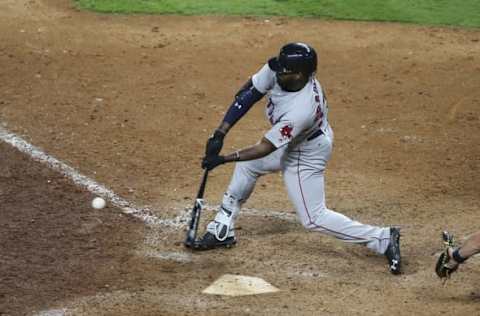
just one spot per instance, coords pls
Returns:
(304, 140)
(293, 115)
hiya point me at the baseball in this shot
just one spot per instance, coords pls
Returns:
(98, 203)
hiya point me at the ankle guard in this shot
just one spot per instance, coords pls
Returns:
(223, 224)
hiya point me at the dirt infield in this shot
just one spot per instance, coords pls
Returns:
(130, 101)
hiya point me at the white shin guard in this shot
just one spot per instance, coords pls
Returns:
(223, 224)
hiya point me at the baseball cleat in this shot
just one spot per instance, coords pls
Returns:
(209, 241)
(393, 251)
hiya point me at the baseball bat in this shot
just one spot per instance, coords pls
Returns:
(191, 239)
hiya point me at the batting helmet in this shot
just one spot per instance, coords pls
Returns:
(295, 57)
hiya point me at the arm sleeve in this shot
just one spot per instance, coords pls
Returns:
(244, 100)
(249, 94)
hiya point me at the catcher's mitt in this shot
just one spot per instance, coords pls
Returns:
(445, 264)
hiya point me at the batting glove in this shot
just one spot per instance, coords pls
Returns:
(214, 144)
(211, 162)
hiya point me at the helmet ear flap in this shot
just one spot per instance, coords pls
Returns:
(274, 64)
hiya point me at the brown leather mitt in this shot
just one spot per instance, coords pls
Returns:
(445, 264)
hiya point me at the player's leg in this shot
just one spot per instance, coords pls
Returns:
(220, 231)
(304, 179)
(306, 190)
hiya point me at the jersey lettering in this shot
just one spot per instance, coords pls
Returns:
(270, 108)
(318, 112)
(319, 115)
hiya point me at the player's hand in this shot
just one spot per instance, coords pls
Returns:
(214, 144)
(211, 162)
(445, 264)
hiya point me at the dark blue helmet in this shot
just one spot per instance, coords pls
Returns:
(295, 57)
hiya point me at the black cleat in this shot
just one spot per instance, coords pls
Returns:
(393, 251)
(209, 241)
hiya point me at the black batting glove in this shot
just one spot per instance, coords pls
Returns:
(214, 144)
(211, 162)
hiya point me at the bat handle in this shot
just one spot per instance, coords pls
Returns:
(201, 190)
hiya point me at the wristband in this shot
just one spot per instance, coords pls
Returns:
(236, 156)
(456, 256)
(218, 134)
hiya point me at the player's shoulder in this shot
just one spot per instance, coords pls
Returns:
(263, 79)
(266, 69)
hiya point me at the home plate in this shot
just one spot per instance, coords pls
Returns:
(238, 285)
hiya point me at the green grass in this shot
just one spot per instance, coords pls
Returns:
(464, 13)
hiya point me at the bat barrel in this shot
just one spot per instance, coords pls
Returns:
(190, 240)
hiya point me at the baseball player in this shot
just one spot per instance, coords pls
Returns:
(449, 261)
(299, 144)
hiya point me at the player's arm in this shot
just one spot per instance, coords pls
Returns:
(259, 150)
(245, 98)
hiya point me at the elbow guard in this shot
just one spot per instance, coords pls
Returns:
(244, 99)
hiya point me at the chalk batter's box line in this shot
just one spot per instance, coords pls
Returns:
(143, 213)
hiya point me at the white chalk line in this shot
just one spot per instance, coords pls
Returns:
(53, 312)
(143, 213)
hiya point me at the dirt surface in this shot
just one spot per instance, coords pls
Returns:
(130, 102)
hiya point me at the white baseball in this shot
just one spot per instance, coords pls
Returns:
(98, 203)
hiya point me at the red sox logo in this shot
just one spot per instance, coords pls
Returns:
(286, 131)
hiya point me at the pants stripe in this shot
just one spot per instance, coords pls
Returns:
(308, 213)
